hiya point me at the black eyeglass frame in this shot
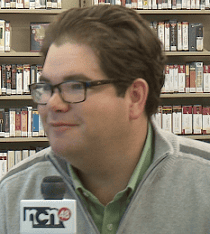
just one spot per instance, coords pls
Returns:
(86, 84)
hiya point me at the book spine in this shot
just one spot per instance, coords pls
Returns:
(19, 4)
(199, 77)
(187, 76)
(197, 119)
(192, 78)
(30, 119)
(32, 4)
(167, 36)
(26, 78)
(7, 123)
(176, 78)
(181, 74)
(185, 36)
(18, 156)
(173, 35)
(19, 80)
(33, 74)
(199, 37)
(187, 119)
(7, 36)
(206, 79)
(14, 71)
(24, 122)
(18, 122)
(177, 119)
(11, 158)
(179, 36)
(9, 79)
(35, 123)
(4, 79)
(206, 120)
(12, 122)
(26, 4)
(2, 122)
(167, 118)
(192, 37)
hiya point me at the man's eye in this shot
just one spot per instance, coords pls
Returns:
(77, 86)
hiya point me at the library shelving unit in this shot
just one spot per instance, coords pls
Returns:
(182, 57)
(20, 20)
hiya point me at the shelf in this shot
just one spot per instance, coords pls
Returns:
(23, 139)
(32, 11)
(20, 54)
(188, 53)
(185, 95)
(173, 12)
(197, 137)
(16, 97)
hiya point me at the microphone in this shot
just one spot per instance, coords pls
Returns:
(51, 215)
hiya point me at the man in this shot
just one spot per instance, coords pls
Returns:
(99, 88)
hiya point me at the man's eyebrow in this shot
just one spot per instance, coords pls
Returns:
(78, 77)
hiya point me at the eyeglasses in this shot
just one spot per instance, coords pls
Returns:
(69, 91)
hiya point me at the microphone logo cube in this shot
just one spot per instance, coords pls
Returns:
(49, 216)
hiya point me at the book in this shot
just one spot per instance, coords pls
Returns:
(33, 74)
(12, 122)
(18, 156)
(3, 79)
(185, 36)
(176, 79)
(14, 71)
(2, 35)
(18, 122)
(19, 4)
(195, 36)
(192, 78)
(206, 78)
(158, 116)
(181, 77)
(199, 77)
(24, 122)
(30, 119)
(59, 3)
(187, 119)
(206, 120)
(35, 123)
(13, 4)
(39, 69)
(19, 79)
(2, 122)
(49, 4)
(9, 79)
(177, 119)
(171, 78)
(32, 4)
(25, 154)
(197, 119)
(7, 123)
(179, 36)
(3, 4)
(37, 32)
(26, 78)
(161, 32)
(54, 4)
(0, 81)
(187, 78)
(10, 158)
(27, 4)
(41, 128)
(167, 118)
(3, 164)
(40, 4)
(7, 42)
(173, 35)
(167, 36)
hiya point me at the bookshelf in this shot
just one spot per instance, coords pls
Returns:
(182, 57)
(20, 20)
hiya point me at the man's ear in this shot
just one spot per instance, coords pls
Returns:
(137, 93)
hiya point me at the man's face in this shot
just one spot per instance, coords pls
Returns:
(98, 122)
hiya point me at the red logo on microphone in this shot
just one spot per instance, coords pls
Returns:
(64, 214)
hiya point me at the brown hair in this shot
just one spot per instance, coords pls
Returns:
(126, 47)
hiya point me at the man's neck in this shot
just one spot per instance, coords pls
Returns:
(111, 174)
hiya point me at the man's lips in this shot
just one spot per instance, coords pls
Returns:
(60, 124)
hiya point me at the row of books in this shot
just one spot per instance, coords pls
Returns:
(10, 158)
(192, 77)
(179, 36)
(188, 119)
(31, 4)
(159, 4)
(21, 122)
(5, 36)
(15, 78)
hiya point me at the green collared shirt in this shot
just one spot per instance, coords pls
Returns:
(107, 218)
